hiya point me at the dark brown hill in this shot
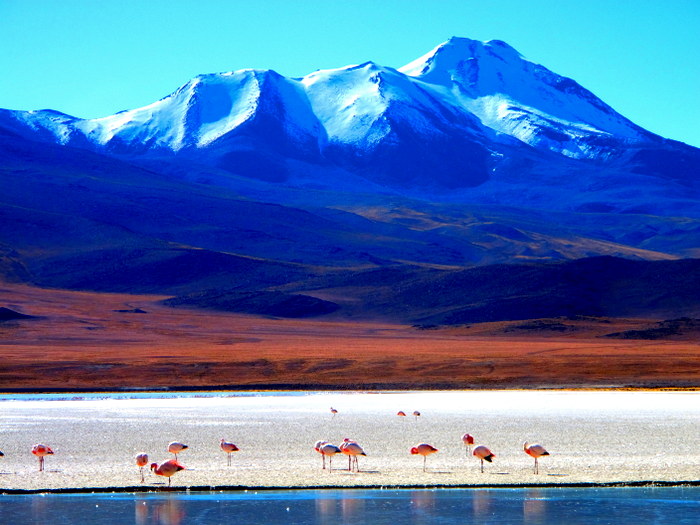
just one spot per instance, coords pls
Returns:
(597, 286)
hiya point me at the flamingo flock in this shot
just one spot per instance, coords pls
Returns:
(172, 466)
(348, 447)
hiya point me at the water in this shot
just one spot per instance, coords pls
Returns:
(150, 394)
(537, 506)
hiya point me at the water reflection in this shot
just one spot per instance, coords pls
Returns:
(534, 507)
(170, 511)
(352, 509)
(40, 510)
(481, 503)
(543, 506)
(326, 511)
(347, 508)
(422, 506)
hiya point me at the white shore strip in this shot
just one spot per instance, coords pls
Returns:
(592, 436)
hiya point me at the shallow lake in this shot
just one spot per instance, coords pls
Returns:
(571, 506)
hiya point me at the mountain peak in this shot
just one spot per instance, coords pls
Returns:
(454, 54)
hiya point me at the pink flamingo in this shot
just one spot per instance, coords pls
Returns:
(401, 413)
(142, 461)
(167, 468)
(333, 411)
(468, 441)
(424, 450)
(535, 450)
(330, 450)
(484, 454)
(317, 448)
(416, 413)
(176, 447)
(228, 447)
(351, 449)
(41, 451)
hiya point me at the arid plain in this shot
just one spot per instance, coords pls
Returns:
(112, 341)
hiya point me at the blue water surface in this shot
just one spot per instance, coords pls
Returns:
(150, 394)
(541, 506)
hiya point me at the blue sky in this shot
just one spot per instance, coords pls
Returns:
(92, 58)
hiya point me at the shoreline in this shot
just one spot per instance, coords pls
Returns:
(266, 488)
(392, 387)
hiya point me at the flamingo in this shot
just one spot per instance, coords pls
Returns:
(424, 450)
(468, 441)
(228, 447)
(416, 413)
(401, 413)
(333, 411)
(330, 450)
(351, 449)
(176, 447)
(142, 461)
(1, 454)
(41, 450)
(535, 450)
(483, 453)
(167, 468)
(317, 448)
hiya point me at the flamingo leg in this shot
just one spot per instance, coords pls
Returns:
(142, 478)
(537, 470)
(41, 463)
(482, 465)
(425, 458)
(228, 459)
(324, 461)
(350, 463)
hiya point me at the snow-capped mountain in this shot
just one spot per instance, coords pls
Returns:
(462, 83)
(470, 155)
(474, 119)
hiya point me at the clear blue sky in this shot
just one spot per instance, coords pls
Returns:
(92, 58)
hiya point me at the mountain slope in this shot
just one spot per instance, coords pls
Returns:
(259, 184)
(597, 286)
(470, 121)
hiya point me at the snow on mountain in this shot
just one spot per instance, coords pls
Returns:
(45, 124)
(524, 100)
(460, 84)
(365, 105)
(202, 111)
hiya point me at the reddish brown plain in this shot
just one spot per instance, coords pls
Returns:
(82, 341)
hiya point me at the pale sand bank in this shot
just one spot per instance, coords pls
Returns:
(593, 437)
